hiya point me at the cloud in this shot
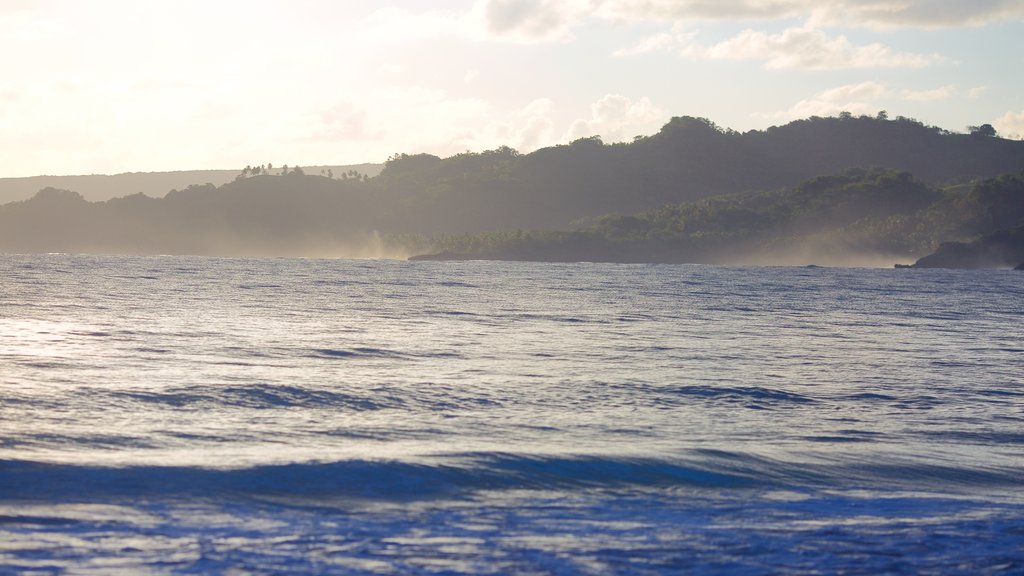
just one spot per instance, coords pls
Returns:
(869, 90)
(345, 121)
(617, 118)
(808, 49)
(977, 92)
(529, 21)
(916, 13)
(513, 21)
(529, 128)
(843, 13)
(418, 119)
(853, 98)
(1010, 125)
(675, 10)
(942, 93)
(656, 43)
(394, 24)
(859, 98)
(678, 39)
(548, 21)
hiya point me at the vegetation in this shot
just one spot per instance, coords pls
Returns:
(689, 159)
(693, 192)
(859, 212)
(105, 187)
(1001, 249)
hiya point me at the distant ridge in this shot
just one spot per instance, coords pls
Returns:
(833, 188)
(99, 187)
(688, 160)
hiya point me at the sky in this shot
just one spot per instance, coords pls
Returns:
(112, 86)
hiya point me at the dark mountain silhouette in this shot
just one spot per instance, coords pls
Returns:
(261, 215)
(95, 187)
(858, 216)
(1001, 249)
(689, 159)
(696, 192)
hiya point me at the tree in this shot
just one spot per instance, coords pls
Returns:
(882, 115)
(983, 130)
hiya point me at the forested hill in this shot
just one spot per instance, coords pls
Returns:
(156, 184)
(688, 159)
(858, 217)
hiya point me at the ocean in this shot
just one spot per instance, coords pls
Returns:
(191, 415)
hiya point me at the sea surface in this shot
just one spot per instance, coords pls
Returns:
(187, 415)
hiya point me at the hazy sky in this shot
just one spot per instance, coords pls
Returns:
(107, 86)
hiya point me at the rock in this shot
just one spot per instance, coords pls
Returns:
(1002, 249)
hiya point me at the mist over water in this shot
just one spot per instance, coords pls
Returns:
(196, 415)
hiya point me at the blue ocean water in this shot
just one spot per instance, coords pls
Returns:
(185, 415)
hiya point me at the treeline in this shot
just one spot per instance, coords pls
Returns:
(694, 191)
(687, 160)
(156, 184)
(1001, 249)
(261, 215)
(875, 213)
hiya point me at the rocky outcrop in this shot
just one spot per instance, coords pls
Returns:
(1002, 249)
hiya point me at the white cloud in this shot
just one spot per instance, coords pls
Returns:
(915, 13)
(794, 48)
(393, 24)
(806, 48)
(854, 98)
(844, 13)
(1010, 125)
(515, 21)
(544, 21)
(674, 10)
(346, 120)
(530, 21)
(655, 43)
(864, 90)
(977, 92)
(942, 93)
(423, 120)
(529, 128)
(617, 118)
(419, 119)
(678, 39)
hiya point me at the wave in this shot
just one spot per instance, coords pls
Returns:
(21, 479)
(260, 397)
(741, 393)
(752, 397)
(370, 352)
(464, 474)
(356, 352)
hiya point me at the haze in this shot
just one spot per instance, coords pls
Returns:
(117, 86)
